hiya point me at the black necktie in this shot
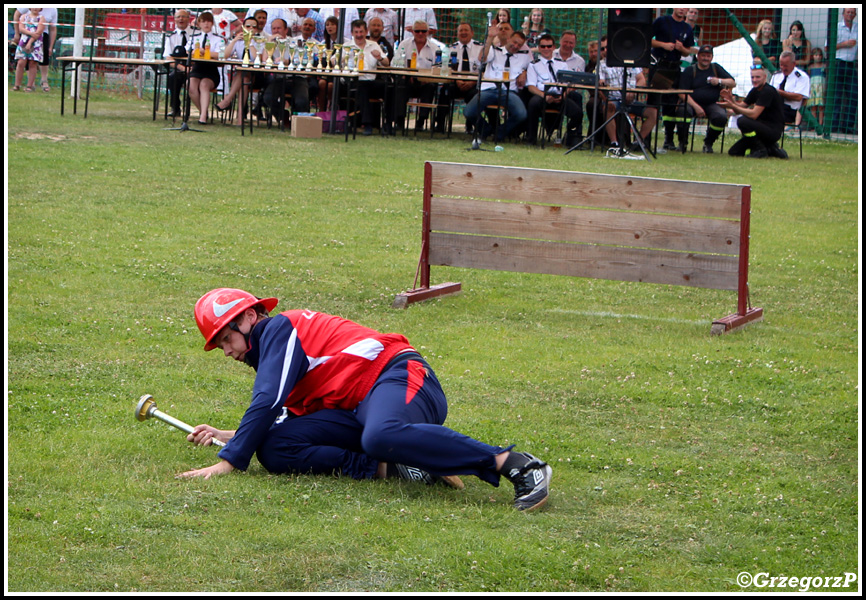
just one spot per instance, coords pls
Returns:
(508, 60)
(183, 39)
(784, 80)
(204, 43)
(552, 72)
(465, 65)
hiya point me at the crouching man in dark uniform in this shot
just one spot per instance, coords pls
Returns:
(762, 119)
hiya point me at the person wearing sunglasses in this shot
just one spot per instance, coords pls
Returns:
(542, 97)
(762, 117)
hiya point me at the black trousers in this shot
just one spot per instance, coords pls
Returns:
(756, 136)
(535, 110)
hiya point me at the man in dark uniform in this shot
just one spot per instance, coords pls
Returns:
(707, 79)
(762, 118)
(672, 40)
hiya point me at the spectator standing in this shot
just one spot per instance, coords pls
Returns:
(845, 100)
(765, 37)
(390, 22)
(818, 85)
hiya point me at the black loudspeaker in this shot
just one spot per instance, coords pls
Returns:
(629, 37)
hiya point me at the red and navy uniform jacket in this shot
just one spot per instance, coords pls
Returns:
(307, 361)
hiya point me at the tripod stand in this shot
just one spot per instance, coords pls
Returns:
(621, 110)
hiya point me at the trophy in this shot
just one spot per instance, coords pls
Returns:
(356, 59)
(259, 40)
(296, 57)
(311, 65)
(329, 54)
(281, 46)
(321, 48)
(338, 48)
(270, 46)
(248, 38)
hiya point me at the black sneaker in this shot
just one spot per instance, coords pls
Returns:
(416, 474)
(531, 483)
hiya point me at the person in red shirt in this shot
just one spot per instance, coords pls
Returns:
(362, 391)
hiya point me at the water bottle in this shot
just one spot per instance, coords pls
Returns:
(445, 67)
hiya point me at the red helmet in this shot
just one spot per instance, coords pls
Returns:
(219, 307)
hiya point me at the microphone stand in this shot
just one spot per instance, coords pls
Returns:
(476, 135)
(186, 103)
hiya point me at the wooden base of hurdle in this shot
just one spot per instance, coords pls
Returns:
(585, 225)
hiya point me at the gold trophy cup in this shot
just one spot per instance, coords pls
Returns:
(270, 46)
(338, 50)
(311, 64)
(248, 38)
(321, 48)
(284, 60)
(259, 40)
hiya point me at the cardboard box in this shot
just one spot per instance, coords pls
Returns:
(306, 127)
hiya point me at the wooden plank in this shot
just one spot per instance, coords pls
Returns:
(569, 224)
(616, 192)
(579, 260)
(408, 297)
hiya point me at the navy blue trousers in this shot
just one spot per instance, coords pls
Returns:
(400, 421)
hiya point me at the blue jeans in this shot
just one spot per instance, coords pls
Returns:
(474, 111)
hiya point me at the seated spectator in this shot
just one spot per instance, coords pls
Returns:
(467, 58)
(424, 51)
(544, 71)
(508, 59)
(613, 77)
(204, 77)
(368, 86)
(276, 84)
(707, 80)
(376, 33)
(762, 118)
(793, 86)
(177, 48)
(595, 114)
(305, 87)
(326, 84)
(592, 56)
(573, 62)
(235, 50)
(352, 15)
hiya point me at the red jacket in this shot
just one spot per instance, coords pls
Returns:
(308, 361)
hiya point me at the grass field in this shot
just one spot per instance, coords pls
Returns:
(680, 459)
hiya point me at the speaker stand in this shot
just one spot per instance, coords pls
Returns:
(622, 110)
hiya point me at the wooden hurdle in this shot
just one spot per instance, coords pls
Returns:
(585, 225)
